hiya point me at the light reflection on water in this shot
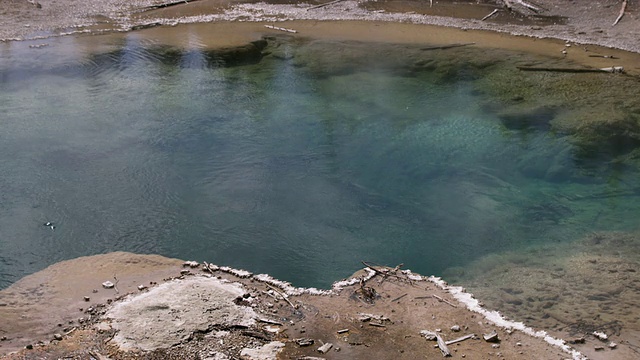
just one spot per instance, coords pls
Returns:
(289, 166)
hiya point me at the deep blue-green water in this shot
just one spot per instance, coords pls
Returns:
(280, 166)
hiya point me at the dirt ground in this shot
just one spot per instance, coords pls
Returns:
(583, 22)
(379, 313)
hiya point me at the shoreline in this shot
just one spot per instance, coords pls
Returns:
(387, 286)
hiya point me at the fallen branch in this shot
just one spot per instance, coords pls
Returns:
(462, 338)
(281, 29)
(284, 297)
(323, 5)
(443, 300)
(166, 5)
(399, 297)
(115, 285)
(442, 47)
(442, 346)
(495, 11)
(622, 10)
(605, 56)
(613, 69)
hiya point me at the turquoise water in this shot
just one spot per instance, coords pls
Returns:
(291, 166)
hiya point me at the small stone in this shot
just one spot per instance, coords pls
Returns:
(304, 342)
(86, 298)
(29, 347)
(518, 344)
(4, 338)
(108, 285)
(613, 345)
(491, 337)
(325, 348)
(185, 272)
(95, 291)
(598, 348)
(141, 287)
(600, 335)
(57, 337)
(495, 346)
(455, 328)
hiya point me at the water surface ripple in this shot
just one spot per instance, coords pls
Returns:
(300, 166)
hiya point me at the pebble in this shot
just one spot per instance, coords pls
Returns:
(108, 285)
(57, 337)
(325, 348)
(455, 328)
(86, 298)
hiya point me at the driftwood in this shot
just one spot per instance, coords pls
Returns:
(605, 56)
(323, 5)
(509, 5)
(284, 297)
(462, 338)
(622, 10)
(281, 29)
(613, 69)
(495, 11)
(442, 346)
(443, 47)
(444, 301)
(169, 4)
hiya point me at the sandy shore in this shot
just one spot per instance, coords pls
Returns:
(184, 311)
(52, 301)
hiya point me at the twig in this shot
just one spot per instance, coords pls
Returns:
(613, 69)
(281, 29)
(267, 321)
(445, 301)
(495, 11)
(115, 285)
(622, 10)
(605, 56)
(166, 5)
(399, 297)
(70, 331)
(442, 47)
(323, 5)
(462, 338)
(284, 297)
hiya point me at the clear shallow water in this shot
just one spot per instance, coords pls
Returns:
(290, 167)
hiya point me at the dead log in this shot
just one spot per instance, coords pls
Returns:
(622, 10)
(613, 69)
(442, 346)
